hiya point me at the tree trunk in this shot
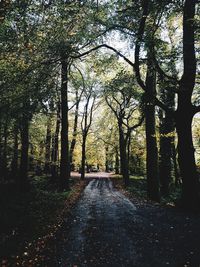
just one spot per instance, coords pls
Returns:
(167, 127)
(1, 147)
(116, 161)
(23, 174)
(65, 160)
(83, 159)
(176, 171)
(4, 154)
(48, 145)
(55, 145)
(123, 155)
(128, 148)
(151, 143)
(186, 159)
(107, 162)
(14, 164)
(73, 142)
(185, 112)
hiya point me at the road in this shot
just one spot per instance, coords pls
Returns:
(106, 230)
(98, 236)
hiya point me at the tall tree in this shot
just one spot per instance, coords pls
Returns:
(122, 97)
(191, 188)
(87, 116)
(65, 159)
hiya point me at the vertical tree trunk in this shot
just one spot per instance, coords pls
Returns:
(83, 156)
(1, 148)
(85, 125)
(23, 174)
(123, 155)
(176, 171)
(55, 144)
(4, 154)
(14, 164)
(73, 142)
(167, 127)
(65, 160)
(151, 143)
(48, 145)
(186, 159)
(165, 166)
(107, 162)
(116, 161)
(128, 148)
(185, 112)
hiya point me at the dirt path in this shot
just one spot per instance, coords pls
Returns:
(108, 230)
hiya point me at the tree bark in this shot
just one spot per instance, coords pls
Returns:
(83, 156)
(150, 129)
(14, 164)
(107, 162)
(65, 160)
(4, 154)
(48, 145)
(123, 154)
(185, 112)
(23, 173)
(55, 146)
(167, 127)
(116, 161)
(1, 147)
(85, 126)
(186, 159)
(73, 142)
(176, 170)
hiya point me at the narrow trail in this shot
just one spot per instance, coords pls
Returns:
(108, 230)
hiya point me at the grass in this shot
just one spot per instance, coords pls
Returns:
(138, 188)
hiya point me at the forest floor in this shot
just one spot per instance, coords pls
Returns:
(113, 227)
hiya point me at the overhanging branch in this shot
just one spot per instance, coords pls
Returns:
(105, 46)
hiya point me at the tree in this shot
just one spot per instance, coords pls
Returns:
(90, 98)
(122, 98)
(186, 159)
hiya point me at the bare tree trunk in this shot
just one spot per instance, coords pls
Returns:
(106, 163)
(48, 145)
(65, 160)
(185, 113)
(176, 170)
(73, 142)
(23, 173)
(128, 148)
(151, 143)
(83, 157)
(14, 164)
(116, 161)
(1, 147)
(55, 146)
(123, 155)
(85, 125)
(167, 127)
(4, 154)
(186, 159)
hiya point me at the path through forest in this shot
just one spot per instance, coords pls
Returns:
(106, 229)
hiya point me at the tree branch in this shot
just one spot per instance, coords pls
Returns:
(105, 46)
(196, 109)
(138, 44)
(163, 106)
